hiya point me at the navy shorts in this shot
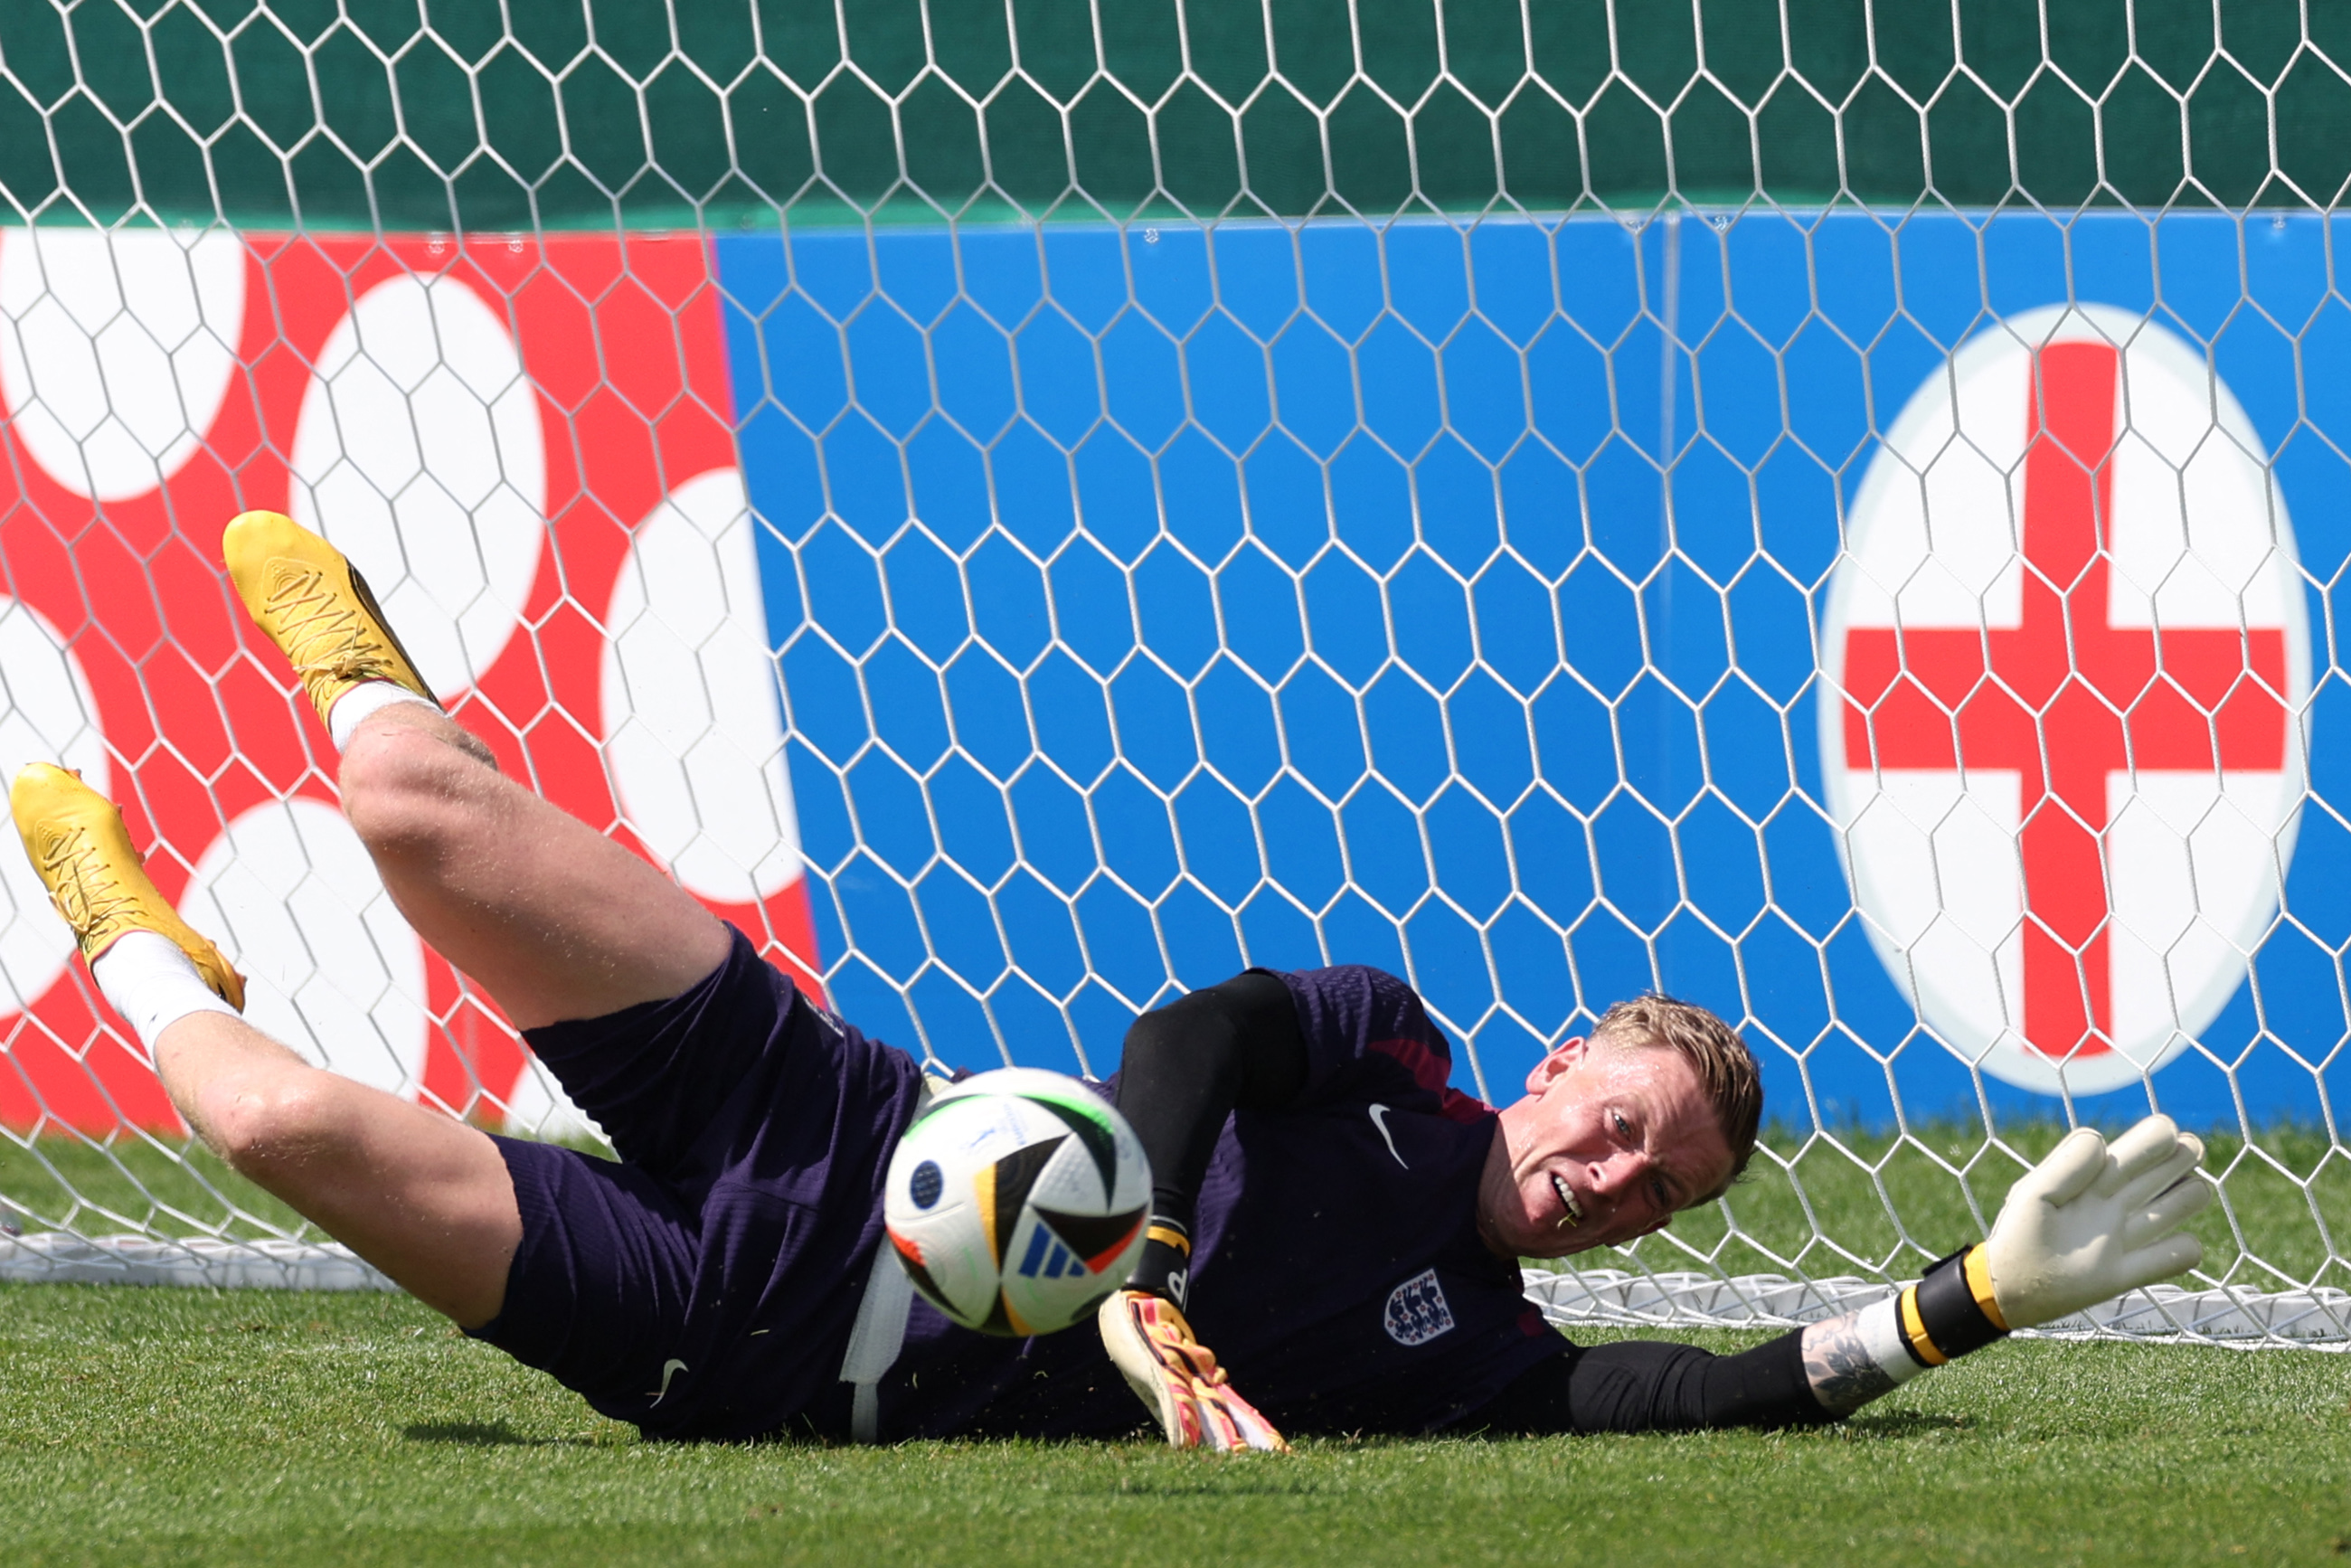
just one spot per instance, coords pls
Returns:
(703, 1286)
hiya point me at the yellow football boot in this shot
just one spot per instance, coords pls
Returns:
(317, 608)
(82, 852)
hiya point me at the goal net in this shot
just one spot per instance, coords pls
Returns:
(1832, 512)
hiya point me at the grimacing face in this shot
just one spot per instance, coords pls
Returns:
(1609, 1141)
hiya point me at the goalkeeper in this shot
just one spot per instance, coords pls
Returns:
(1342, 1229)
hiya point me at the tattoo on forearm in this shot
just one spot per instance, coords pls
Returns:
(1844, 1374)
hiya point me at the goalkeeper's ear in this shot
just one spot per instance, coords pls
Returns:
(1557, 1062)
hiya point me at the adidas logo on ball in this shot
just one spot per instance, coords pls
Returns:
(1016, 1201)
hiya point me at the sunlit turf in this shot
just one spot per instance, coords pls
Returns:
(1847, 1204)
(263, 1428)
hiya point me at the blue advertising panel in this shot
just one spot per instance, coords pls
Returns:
(1909, 637)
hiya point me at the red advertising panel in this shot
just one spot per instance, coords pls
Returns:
(526, 444)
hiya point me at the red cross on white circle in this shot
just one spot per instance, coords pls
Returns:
(2080, 709)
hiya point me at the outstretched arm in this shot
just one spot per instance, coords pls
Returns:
(1647, 1386)
(2083, 1226)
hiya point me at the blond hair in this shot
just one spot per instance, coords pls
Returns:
(1726, 1069)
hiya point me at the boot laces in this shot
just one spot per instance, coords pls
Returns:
(324, 632)
(87, 892)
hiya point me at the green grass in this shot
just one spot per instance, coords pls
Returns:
(181, 1427)
(1855, 1202)
(1842, 1204)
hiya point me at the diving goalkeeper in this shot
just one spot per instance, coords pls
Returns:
(1339, 1226)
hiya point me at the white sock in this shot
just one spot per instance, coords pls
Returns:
(367, 697)
(152, 984)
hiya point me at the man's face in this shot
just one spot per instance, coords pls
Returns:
(1608, 1143)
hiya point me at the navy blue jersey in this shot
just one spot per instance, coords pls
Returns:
(1337, 1270)
(703, 1286)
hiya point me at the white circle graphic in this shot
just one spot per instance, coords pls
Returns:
(47, 715)
(418, 453)
(331, 970)
(2118, 633)
(116, 350)
(694, 733)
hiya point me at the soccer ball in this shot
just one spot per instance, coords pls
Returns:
(1017, 1201)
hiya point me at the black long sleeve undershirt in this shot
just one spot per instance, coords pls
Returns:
(1185, 1067)
(1237, 1046)
(1643, 1385)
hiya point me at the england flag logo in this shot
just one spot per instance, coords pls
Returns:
(2066, 674)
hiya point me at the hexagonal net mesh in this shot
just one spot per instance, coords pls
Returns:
(1834, 517)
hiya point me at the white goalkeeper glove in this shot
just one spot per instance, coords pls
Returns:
(1177, 1378)
(2096, 1219)
(2082, 1227)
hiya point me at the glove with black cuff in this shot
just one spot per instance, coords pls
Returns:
(2086, 1224)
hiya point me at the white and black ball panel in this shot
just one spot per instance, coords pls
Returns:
(1017, 1201)
(947, 1244)
(928, 1220)
(951, 1274)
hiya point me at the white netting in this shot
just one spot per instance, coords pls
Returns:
(1551, 505)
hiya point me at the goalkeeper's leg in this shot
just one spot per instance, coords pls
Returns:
(423, 1197)
(418, 1194)
(551, 918)
(555, 921)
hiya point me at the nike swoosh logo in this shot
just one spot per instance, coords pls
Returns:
(669, 1369)
(1380, 1120)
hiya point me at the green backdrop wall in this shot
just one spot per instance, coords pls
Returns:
(570, 113)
